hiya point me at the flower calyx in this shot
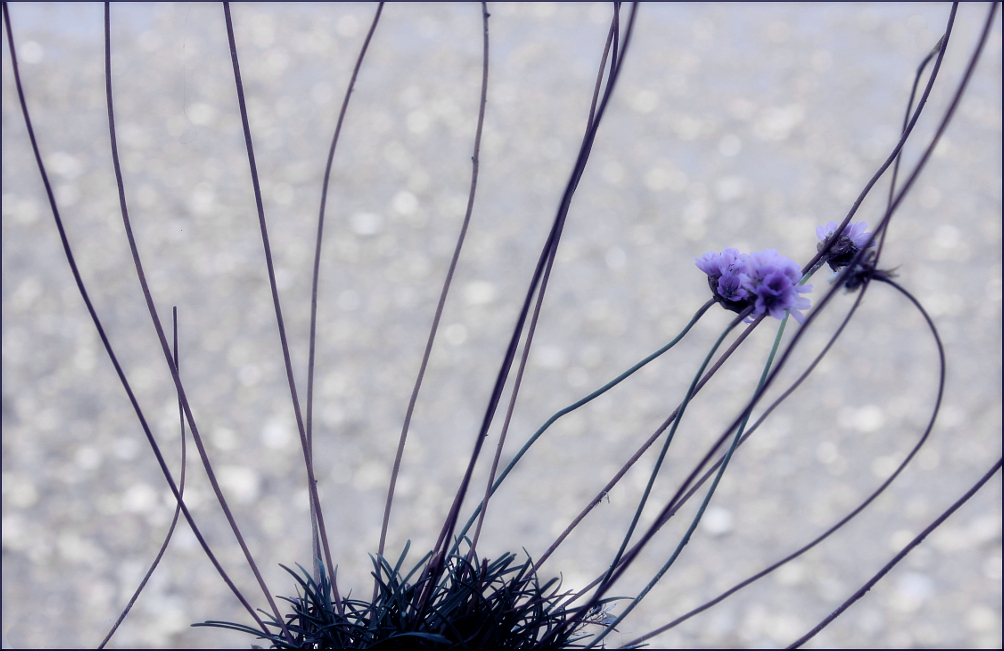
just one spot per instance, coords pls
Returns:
(841, 253)
(852, 239)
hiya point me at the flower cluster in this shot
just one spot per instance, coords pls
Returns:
(852, 239)
(766, 280)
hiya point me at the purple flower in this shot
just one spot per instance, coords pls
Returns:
(766, 280)
(852, 239)
(729, 262)
(773, 280)
(727, 274)
(770, 261)
(777, 294)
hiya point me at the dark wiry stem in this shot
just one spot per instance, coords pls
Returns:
(317, 533)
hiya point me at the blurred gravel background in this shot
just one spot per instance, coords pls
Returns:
(733, 125)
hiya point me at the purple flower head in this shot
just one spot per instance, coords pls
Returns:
(766, 280)
(777, 295)
(773, 285)
(727, 275)
(729, 262)
(852, 239)
(770, 261)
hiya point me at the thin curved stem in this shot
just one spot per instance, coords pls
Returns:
(763, 417)
(589, 398)
(152, 309)
(612, 42)
(906, 122)
(447, 283)
(646, 444)
(700, 511)
(665, 450)
(177, 508)
(894, 155)
(318, 533)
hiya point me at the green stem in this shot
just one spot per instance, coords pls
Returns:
(665, 449)
(707, 499)
(595, 394)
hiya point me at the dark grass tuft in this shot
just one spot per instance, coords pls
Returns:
(479, 604)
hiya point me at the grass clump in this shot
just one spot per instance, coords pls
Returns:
(478, 604)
